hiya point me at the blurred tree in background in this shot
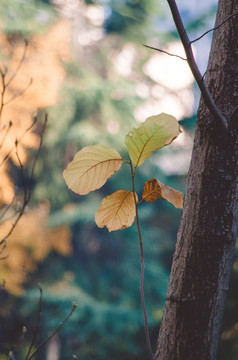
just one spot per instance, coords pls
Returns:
(88, 57)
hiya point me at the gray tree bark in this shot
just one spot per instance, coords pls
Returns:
(202, 261)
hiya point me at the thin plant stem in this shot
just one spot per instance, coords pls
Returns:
(22, 173)
(214, 28)
(3, 91)
(74, 306)
(140, 201)
(18, 140)
(6, 133)
(38, 153)
(27, 192)
(3, 245)
(19, 64)
(147, 335)
(19, 94)
(7, 208)
(165, 52)
(36, 329)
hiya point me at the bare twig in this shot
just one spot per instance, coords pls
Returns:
(38, 152)
(27, 191)
(7, 129)
(214, 28)
(7, 208)
(19, 65)
(3, 245)
(36, 329)
(4, 70)
(22, 172)
(165, 52)
(193, 66)
(3, 92)
(19, 140)
(147, 335)
(19, 94)
(5, 83)
(74, 306)
(17, 348)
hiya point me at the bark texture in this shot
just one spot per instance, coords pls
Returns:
(203, 257)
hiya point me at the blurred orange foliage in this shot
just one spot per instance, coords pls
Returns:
(29, 244)
(30, 82)
(42, 65)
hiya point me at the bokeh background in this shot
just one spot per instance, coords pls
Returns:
(86, 66)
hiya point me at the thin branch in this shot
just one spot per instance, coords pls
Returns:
(27, 192)
(19, 94)
(36, 329)
(3, 92)
(215, 28)
(19, 344)
(147, 335)
(25, 201)
(165, 52)
(22, 172)
(6, 133)
(193, 66)
(38, 152)
(3, 245)
(74, 306)
(19, 140)
(7, 208)
(4, 71)
(19, 65)
(5, 83)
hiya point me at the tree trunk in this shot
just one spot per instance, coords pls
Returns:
(205, 246)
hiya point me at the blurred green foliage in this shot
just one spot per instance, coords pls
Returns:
(25, 17)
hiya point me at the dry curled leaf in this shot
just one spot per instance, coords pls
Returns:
(91, 167)
(154, 189)
(117, 211)
(151, 191)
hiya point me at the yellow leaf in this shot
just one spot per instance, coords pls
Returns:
(154, 190)
(91, 167)
(156, 132)
(117, 211)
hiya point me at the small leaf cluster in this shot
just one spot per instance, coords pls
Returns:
(93, 165)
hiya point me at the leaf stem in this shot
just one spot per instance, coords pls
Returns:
(140, 201)
(147, 335)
